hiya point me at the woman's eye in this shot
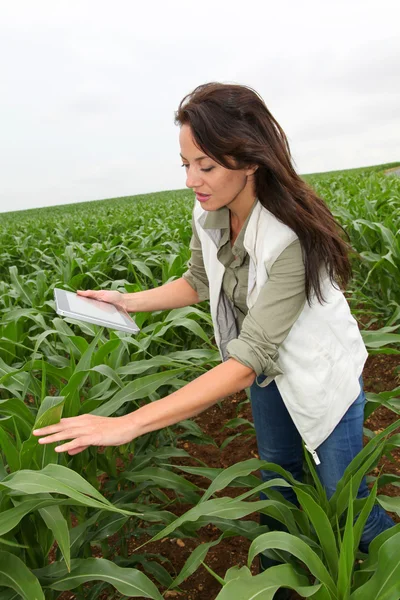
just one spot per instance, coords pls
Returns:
(204, 170)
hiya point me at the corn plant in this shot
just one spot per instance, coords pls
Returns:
(52, 367)
(320, 546)
(367, 204)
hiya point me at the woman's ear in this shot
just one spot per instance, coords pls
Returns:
(251, 170)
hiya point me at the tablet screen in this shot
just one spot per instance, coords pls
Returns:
(94, 308)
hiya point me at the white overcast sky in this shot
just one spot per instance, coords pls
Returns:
(89, 87)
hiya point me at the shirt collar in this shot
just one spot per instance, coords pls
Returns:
(217, 219)
(220, 219)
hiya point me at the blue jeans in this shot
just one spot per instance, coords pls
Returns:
(279, 442)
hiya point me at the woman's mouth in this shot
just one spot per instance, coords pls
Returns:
(202, 197)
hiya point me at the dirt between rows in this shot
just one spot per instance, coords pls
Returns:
(381, 373)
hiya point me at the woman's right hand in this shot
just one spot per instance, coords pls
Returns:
(110, 296)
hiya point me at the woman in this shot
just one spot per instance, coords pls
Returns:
(269, 255)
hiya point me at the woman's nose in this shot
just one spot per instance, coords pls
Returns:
(192, 179)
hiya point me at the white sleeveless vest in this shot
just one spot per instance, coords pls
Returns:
(323, 355)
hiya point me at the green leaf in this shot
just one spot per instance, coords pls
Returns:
(226, 508)
(194, 561)
(389, 503)
(108, 372)
(385, 582)
(248, 529)
(240, 585)
(246, 481)
(40, 338)
(7, 445)
(265, 485)
(60, 480)
(23, 290)
(14, 381)
(56, 522)
(143, 268)
(37, 455)
(157, 571)
(70, 391)
(135, 390)
(241, 469)
(108, 525)
(363, 516)
(140, 366)
(178, 313)
(322, 497)
(347, 552)
(11, 517)
(285, 541)
(194, 327)
(18, 409)
(357, 468)
(323, 529)
(14, 574)
(79, 534)
(12, 544)
(130, 582)
(369, 566)
(100, 356)
(161, 478)
(378, 338)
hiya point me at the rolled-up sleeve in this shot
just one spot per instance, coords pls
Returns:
(196, 275)
(269, 321)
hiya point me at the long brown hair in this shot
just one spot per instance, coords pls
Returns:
(232, 121)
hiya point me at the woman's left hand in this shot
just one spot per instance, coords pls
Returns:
(87, 430)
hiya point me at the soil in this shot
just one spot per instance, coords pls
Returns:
(381, 373)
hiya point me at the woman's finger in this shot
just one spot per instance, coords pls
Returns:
(84, 292)
(84, 430)
(94, 294)
(49, 429)
(68, 434)
(76, 450)
(61, 425)
(78, 443)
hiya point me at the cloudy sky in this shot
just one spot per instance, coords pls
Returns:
(89, 87)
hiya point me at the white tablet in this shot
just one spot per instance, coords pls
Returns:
(69, 304)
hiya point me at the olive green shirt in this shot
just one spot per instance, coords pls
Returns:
(265, 326)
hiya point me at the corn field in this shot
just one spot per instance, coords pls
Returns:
(53, 504)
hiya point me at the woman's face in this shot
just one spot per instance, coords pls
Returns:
(214, 185)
